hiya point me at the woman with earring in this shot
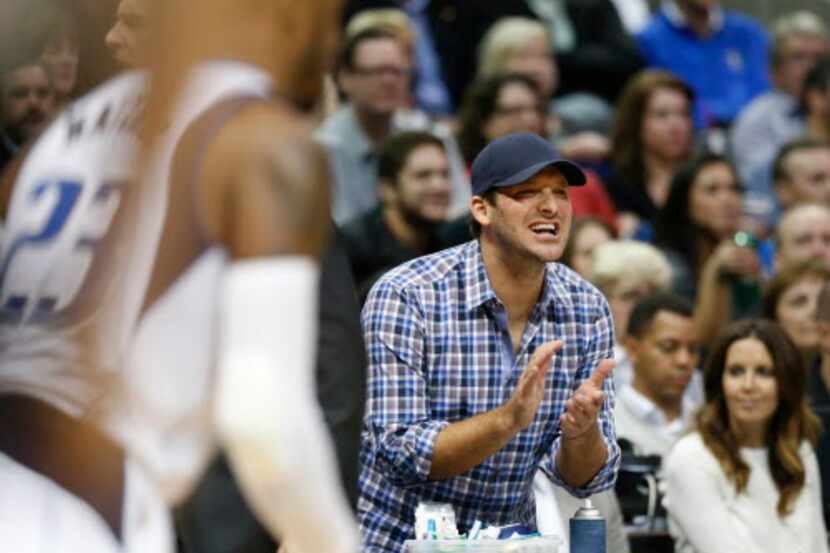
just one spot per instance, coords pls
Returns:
(746, 479)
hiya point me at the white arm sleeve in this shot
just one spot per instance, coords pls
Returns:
(267, 413)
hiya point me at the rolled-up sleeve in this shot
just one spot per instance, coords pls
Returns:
(399, 433)
(599, 346)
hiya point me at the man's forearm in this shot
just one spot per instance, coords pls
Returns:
(580, 459)
(713, 303)
(466, 444)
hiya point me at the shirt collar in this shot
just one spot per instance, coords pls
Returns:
(356, 141)
(676, 17)
(478, 290)
(647, 410)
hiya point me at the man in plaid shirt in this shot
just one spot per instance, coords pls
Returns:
(488, 361)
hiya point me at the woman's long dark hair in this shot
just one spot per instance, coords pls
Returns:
(479, 105)
(674, 228)
(791, 424)
(626, 136)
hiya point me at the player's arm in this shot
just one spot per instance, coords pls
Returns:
(266, 201)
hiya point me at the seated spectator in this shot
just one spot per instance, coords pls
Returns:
(590, 40)
(60, 56)
(799, 40)
(497, 106)
(790, 299)
(448, 34)
(587, 233)
(655, 409)
(721, 54)
(652, 136)
(818, 388)
(392, 20)
(525, 46)
(26, 104)
(747, 478)
(696, 230)
(814, 109)
(803, 233)
(520, 45)
(429, 92)
(373, 71)
(801, 173)
(413, 177)
(627, 271)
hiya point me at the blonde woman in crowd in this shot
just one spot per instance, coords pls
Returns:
(747, 478)
(525, 46)
(389, 19)
(627, 271)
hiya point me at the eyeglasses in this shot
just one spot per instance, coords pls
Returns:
(383, 70)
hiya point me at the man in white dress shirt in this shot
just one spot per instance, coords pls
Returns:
(652, 413)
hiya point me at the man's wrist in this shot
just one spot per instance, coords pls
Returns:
(586, 438)
(507, 420)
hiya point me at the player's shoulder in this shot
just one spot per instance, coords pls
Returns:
(265, 123)
(268, 121)
(270, 134)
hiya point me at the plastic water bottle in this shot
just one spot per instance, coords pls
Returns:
(587, 530)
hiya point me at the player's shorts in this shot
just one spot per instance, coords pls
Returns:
(66, 488)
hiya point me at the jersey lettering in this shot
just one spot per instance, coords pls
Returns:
(51, 292)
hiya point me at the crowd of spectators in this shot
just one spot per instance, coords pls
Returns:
(704, 221)
(704, 137)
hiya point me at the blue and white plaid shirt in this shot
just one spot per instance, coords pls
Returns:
(439, 352)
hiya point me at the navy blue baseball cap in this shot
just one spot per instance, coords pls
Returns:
(515, 158)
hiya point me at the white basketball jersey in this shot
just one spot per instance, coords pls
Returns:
(51, 292)
(174, 349)
(51, 295)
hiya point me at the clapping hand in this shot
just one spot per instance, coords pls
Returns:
(530, 390)
(581, 409)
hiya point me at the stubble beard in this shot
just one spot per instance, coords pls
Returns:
(519, 255)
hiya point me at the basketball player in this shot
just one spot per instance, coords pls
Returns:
(233, 177)
(66, 484)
